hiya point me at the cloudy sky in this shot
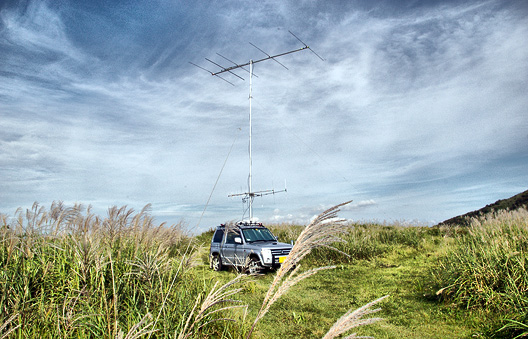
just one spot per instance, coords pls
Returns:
(418, 113)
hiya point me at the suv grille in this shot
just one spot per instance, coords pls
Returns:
(277, 252)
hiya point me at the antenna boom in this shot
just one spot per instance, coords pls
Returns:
(256, 61)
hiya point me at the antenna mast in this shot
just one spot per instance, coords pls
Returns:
(250, 195)
(250, 178)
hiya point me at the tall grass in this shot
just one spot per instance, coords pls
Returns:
(488, 268)
(68, 273)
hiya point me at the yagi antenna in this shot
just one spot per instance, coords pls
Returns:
(250, 194)
(242, 66)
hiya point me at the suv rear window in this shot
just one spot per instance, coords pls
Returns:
(231, 235)
(218, 236)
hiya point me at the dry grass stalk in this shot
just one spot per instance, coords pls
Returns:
(321, 232)
(68, 319)
(354, 319)
(85, 251)
(28, 231)
(6, 323)
(215, 297)
(149, 266)
(136, 332)
(179, 270)
(116, 223)
(8, 238)
(114, 292)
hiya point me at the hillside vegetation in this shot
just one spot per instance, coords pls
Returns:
(66, 272)
(511, 204)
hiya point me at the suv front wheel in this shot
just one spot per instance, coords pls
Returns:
(216, 263)
(254, 266)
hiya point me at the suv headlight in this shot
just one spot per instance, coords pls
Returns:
(266, 255)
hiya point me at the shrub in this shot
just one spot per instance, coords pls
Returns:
(488, 266)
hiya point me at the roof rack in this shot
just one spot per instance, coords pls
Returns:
(248, 223)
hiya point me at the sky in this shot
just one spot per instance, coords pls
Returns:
(418, 113)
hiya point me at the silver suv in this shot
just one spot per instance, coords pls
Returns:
(249, 246)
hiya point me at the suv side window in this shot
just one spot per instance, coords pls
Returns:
(231, 235)
(218, 235)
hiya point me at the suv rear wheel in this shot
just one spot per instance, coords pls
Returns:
(253, 266)
(216, 263)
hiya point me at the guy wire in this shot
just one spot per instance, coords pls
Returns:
(218, 178)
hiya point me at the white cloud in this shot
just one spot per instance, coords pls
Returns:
(404, 106)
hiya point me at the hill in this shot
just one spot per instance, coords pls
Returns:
(513, 203)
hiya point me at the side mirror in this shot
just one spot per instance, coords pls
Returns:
(238, 240)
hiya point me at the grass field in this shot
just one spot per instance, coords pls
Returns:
(68, 273)
(402, 271)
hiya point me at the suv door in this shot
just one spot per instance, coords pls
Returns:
(216, 241)
(231, 250)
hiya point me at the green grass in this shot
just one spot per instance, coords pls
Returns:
(68, 273)
(310, 308)
(487, 268)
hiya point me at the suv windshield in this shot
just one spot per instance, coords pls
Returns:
(258, 234)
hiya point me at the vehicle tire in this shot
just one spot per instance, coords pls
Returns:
(253, 266)
(216, 263)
